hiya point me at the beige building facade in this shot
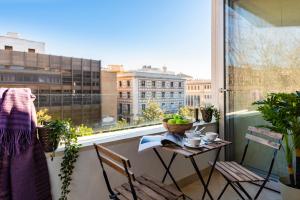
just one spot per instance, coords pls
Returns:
(198, 93)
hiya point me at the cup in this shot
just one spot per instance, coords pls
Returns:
(194, 141)
(211, 136)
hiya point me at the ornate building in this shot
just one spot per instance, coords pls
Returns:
(198, 92)
(136, 88)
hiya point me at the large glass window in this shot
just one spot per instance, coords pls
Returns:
(262, 43)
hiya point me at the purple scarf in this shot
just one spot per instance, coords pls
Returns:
(17, 119)
(23, 167)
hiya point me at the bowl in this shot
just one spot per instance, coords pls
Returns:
(177, 128)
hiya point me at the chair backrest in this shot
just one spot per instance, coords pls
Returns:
(117, 162)
(265, 132)
(275, 143)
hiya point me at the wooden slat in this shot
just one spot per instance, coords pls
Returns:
(263, 141)
(227, 175)
(156, 188)
(166, 187)
(120, 196)
(242, 171)
(235, 171)
(117, 167)
(230, 171)
(126, 194)
(255, 176)
(113, 155)
(265, 132)
(149, 191)
(140, 193)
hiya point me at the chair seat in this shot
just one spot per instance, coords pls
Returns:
(148, 189)
(236, 172)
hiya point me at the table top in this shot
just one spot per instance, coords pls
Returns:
(189, 152)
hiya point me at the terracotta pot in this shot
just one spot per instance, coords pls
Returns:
(287, 192)
(47, 144)
(206, 115)
(177, 128)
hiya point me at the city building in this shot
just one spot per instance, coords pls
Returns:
(137, 87)
(198, 92)
(12, 41)
(69, 87)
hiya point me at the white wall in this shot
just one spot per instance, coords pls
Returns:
(88, 182)
(22, 45)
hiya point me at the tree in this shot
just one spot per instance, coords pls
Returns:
(186, 112)
(153, 112)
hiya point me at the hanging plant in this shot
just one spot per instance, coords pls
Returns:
(61, 131)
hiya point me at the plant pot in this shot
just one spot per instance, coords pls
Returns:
(206, 115)
(287, 192)
(47, 144)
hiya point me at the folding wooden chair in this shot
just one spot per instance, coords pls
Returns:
(235, 173)
(142, 188)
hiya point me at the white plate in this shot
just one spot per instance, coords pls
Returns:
(208, 141)
(191, 146)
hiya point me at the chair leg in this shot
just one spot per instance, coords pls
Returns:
(261, 188)
(243, 190)
(236, 190)
(221, 194)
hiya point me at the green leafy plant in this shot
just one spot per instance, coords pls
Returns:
(207, 112)
(84, 130)
(282, 111)
(62, 131)
(153, 112)
(217, 116)
(186, 112)
(43, 117)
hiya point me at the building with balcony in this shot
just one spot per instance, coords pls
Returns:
(137, 87)
(198, 92)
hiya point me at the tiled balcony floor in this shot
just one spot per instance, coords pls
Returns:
(195, 191)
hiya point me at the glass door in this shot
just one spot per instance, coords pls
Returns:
(262, 55)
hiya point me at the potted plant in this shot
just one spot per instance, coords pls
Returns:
(207, 113)
(282, 110)
(43, 118)
(62, 132)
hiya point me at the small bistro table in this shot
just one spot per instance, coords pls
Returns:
(190, 153)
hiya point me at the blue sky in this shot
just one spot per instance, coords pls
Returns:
(175, 33)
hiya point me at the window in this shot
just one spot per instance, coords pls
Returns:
(8, 48)
(172, 94)
(163, 84)
(153, 83)
(128, 95)
(153, 94)
(143, 95)
(143, 107)
(120, 94)
(163, 105)
(143, 83)
(172, 84)
(128, 108)
(31, 50)
(120, 108)
(128, 83)
(179, 84)
(163, 94)
(179, 94)
(120, 83)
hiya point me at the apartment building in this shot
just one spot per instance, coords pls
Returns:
(137, 87)
(198, 92)
(69, 87)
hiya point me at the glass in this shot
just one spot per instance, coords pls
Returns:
(262, 43)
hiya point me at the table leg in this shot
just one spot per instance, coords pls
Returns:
(210, 173)
(169, 166)
(200, 176)
(167, 169)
